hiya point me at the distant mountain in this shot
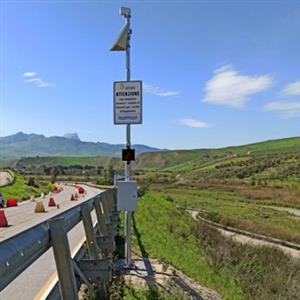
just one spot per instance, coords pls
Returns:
(23, 145)
(72, 136)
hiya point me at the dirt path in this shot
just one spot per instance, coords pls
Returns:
(292, 211)
(5, 178)
(249, 240)
(151, 273)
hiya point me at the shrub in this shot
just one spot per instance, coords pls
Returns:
(31, 182)
(143, 189)
(264, 272)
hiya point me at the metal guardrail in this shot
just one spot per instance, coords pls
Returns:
(90, 184)
(21, 250)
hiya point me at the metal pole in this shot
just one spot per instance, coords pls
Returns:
(127, 164)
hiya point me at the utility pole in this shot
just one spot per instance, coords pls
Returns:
(123, 44)
(126, 12)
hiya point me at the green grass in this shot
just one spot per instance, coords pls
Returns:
(131, 293)
(165, 232)
(183, 167)
(205, 166)
(21, 191)
(213, 164)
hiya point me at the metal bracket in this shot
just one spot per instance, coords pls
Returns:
(96, 270)
(111, 228)
(114, 218)
(106, 243)
(81, 275)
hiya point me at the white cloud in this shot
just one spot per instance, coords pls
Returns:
(292, 89)
(288, 109)
(29, 74)
(228, 87)
(193, 123)
(31, 77)
(37, 80)
(158, 91)
(46, 84)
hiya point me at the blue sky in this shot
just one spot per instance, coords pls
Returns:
(215, 73)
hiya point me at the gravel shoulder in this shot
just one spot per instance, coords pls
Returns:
(157, 275)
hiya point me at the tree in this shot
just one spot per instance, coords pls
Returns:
(109, 174)
(31, 182)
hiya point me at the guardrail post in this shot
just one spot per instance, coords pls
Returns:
(100, 217)
(112, 209)
(105, 240)
(89, 231)
(107, 214)
(63, 260)
(105, 206)
(113, 200)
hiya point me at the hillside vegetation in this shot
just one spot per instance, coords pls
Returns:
(65, 161)
(190, 158)
(164, 231)
(276, 159)
(253, 187)
(21, 190)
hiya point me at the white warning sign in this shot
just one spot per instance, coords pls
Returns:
(128, 102)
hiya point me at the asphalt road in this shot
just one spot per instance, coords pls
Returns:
(41, 276)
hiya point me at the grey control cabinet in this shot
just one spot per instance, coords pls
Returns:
(126, 195)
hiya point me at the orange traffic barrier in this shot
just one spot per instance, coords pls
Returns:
(57, 190)
(11, 202)
(3, 220)
(72, 197)
(80, 190)
(51, 202)
(39, 208)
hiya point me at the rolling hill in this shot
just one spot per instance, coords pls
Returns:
(187, 159)
(65, 161)
(279, 153)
